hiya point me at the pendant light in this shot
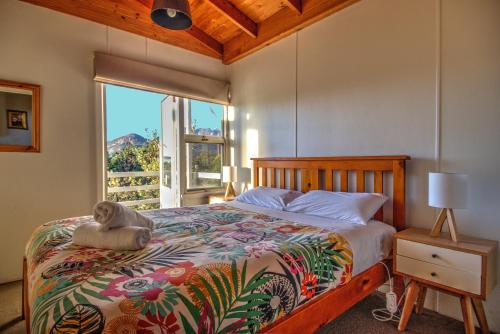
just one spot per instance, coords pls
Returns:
(172, 14)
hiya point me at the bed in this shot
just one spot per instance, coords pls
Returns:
(224, 268)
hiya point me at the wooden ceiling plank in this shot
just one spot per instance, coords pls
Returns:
(282, 24)
(259, 10)
(236, 16)
(147, 3)
(134, 18)
(211, 21)
(295, 5)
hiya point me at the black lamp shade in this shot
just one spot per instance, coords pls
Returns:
(172, 14)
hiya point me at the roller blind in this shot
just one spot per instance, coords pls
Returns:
(126, 72)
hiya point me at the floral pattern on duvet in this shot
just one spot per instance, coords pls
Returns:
(208, 269)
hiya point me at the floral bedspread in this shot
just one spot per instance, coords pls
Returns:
(208, 269)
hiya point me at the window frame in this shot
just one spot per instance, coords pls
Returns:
(189, 138)
(183, 140)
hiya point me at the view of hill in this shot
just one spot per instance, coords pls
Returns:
(118, 144)
(207, 132)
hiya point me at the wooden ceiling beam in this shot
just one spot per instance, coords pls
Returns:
(295, 5)
(206, 39)
(134, 16)
(236, 16)
(282, 24)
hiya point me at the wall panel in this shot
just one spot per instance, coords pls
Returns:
(263, 89)
(470, 121)
(369, 89)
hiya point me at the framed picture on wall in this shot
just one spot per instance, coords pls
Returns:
(17, 119)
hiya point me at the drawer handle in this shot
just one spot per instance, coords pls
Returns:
(433, 274)
(435, 256)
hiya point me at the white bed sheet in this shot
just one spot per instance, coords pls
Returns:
(370, 243)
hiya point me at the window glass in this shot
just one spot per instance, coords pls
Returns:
(204, 164)
(133, 151)
(204, 118)
(167, 171)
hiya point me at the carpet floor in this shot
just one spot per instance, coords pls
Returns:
(357, 320)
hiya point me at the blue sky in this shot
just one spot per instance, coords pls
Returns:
(133, 111)
(202, 112)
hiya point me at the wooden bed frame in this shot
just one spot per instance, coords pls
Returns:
(322, 173)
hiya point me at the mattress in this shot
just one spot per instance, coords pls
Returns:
(225, 268)
(370, 243)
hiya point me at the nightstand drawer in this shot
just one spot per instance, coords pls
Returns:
(458, 279)
(440, 256)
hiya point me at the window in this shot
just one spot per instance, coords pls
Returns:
(132, 147)
(159, 147)
(204, 144)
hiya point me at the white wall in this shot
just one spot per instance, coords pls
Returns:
(366, 84)
(55, 51)
(264, 102)
(470, 138)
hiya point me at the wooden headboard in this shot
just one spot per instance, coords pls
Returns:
(323, 173)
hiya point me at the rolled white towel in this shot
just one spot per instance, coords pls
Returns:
(112, 215)
(125, 238)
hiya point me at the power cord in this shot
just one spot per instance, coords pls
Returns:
(391, 310)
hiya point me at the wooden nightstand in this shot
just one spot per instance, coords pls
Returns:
(213, 199)
(466, 269)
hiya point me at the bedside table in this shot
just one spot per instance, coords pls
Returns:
(466, 269)
(213, 199)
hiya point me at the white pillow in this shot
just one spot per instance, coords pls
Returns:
(272, 198)
(354, 208)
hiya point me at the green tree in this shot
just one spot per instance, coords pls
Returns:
(206, 158)
(136, 159)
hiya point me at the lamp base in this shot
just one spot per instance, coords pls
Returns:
(230, 193)
(445, 215)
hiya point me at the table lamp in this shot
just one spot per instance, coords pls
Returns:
(245, 176)
(229, 176)
(447, 191)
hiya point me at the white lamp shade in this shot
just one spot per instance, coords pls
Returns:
(229, 174)
(448, 190)
(244, 174)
